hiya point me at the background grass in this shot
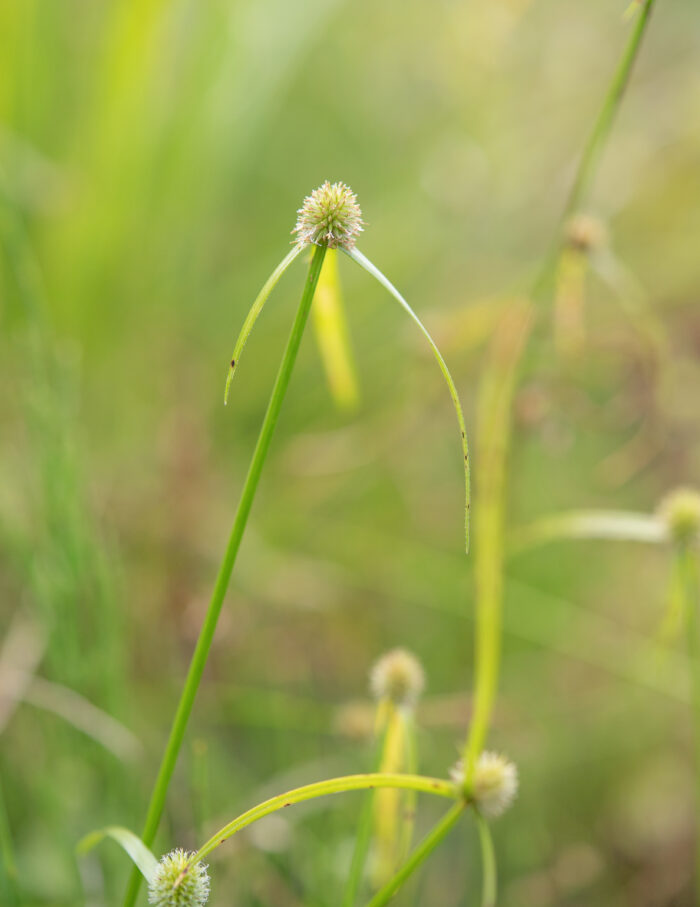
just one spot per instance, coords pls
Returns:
(152, 156)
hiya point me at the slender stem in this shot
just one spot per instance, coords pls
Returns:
(688, 570)
(424, 849)
(497, 390)
(364, 828)
(7, 855)
(206, 635)
(437, 786)
(409, 804)
(488, 862)
(590, 157)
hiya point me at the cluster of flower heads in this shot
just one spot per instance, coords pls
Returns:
(680, 511)
(495, 783)
(330, 216)
(399, 677)
(177, 883)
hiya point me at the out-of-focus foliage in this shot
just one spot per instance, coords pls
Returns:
(152, 157)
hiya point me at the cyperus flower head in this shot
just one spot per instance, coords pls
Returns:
(398, 676)
(495, 783)
(680, 510)
(176, 883)
(586, 233)
(330, 216)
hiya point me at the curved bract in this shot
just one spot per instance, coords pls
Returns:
(256, 309)
(365, 263)
(437, 786)
(140, 855)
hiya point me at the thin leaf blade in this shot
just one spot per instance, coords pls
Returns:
(140, 855)
(255, 311)
(371, 269)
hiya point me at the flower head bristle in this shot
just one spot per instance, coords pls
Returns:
(495, 783)
(399, 677)
(330, 216)
(177, 883)
(680, 511)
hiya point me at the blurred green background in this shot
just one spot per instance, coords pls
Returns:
(152, 158)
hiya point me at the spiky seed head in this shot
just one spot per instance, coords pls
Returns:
(176, 883)
(586, 233)
(330, 216)
(398, 676)
(680, 511)
(495, 783)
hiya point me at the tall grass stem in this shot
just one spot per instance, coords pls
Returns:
(206, 635)
(434, 837)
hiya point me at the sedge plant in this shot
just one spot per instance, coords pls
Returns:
(329, 219)
(181, 878)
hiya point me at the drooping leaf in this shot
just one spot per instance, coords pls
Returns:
(613, 525)
(129, 842)
(256, 309)
(331, 331)
(365, 263)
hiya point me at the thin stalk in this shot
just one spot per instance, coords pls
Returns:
(498, 388)
(206, 635)
(409, 803)
(364, 829)
(690, 591)
(387, 803)
(436, 786)
(488, 862)
(424, 849)
(592, 151)
(7, 853)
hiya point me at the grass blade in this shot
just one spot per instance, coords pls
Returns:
(365, 263)
(332, 336)
(255, 310)
(609, 525)
(129, 842)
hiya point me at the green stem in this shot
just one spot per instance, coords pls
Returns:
(437, 786)
(364, 832)
(688, 570)
(497, 390)
(424, 849)
(488, 862)
(206, 634)
(590, 157)
(7, 853)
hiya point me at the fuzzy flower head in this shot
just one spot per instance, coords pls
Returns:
(399, 677)
(680, 511)
(330, 216)
(176, 883)
(495, 783)
(586, 233)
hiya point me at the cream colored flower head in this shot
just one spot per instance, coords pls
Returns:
(176, 883)
(398, 676)
(586, 233)
(680, 511)
(495, 783)
(330, 216)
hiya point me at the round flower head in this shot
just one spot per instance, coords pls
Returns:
(586, 233)
(330, 216)
(178, 884)
(398, 676)
(680, 510)
(495, 783)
